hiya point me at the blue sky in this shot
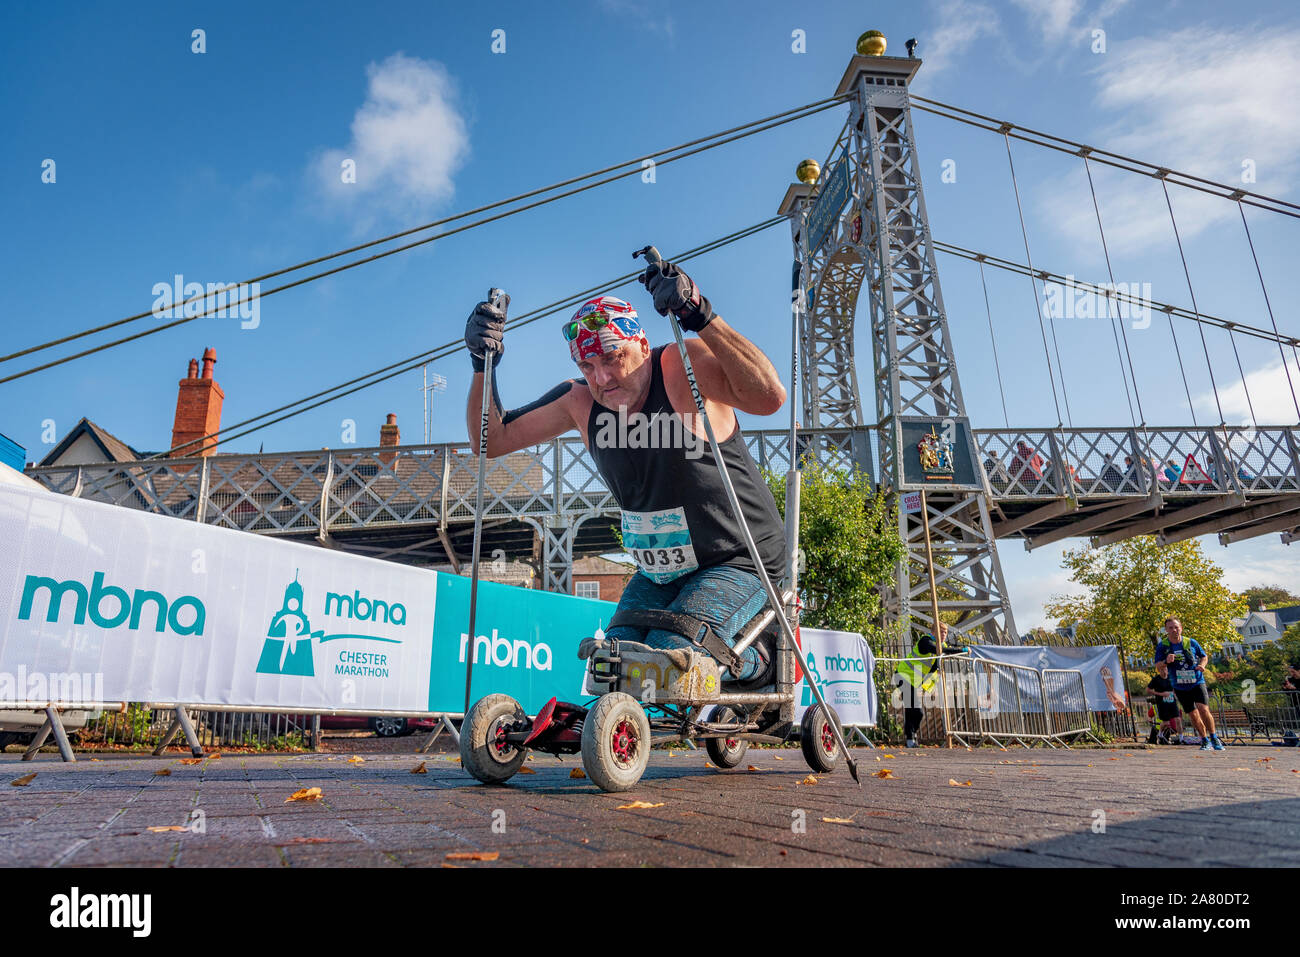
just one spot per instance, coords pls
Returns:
(222, 165)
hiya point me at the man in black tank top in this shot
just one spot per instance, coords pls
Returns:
(635, 412)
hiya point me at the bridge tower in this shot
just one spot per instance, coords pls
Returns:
(861, 225)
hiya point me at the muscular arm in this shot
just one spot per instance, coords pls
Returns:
(730, 370)
(539, 421)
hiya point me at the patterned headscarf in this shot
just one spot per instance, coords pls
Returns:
(616, 325)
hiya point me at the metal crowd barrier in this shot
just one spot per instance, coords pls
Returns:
(991, 701)
(1264, 715)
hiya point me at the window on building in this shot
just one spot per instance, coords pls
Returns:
(586, 589)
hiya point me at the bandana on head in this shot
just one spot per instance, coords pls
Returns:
(621, 328)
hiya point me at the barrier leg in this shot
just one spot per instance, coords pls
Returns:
(53, 722)
(191, 738)
(444, 724)
(38, 742)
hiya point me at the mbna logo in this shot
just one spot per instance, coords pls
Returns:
(122, 609)
(358, 607)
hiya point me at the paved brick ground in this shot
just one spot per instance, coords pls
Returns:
(1163, 807)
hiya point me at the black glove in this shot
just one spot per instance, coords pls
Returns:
(676, 292)
(484, 332)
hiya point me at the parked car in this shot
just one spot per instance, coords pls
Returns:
(386, 726)
(20, 727)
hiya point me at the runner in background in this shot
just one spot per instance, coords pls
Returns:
(1186, 660)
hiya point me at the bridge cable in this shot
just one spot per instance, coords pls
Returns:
(748, 130)
(1037, 306)
(994, 343)
(1192, 292)
(1107, 157)
(448, 348)
(1111, 273)
(1205, 319)
(1242, 372)
(1285, 368)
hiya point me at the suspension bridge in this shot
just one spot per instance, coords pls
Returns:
(858, 224)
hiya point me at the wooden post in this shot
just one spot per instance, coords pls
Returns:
(934, 609)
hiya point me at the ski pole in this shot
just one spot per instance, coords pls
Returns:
(494, 296)
(654, 259)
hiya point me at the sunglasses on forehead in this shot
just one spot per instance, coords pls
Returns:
(592, 322)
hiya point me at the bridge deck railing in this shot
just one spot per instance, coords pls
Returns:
(303, 492)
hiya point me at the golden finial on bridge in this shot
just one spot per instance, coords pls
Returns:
(872, 43)
(808, 171)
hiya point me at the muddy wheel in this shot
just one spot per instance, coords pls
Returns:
(615, 742)
(724, 752)
(483, 749)
(817, 740)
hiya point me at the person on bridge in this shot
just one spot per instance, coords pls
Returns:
(634, 410)
(1187, 661)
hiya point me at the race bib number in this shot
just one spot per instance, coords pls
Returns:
(660, 543)
(1185, 676)
(1169, 698)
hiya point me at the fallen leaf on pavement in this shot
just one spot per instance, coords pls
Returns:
(637, 805)
(167, 827)
(356, 760)
(883, 773)
(475, 856)
(959, 784)
(163, 772)
(420, 769)
(577, 773)
(886, 755)
(454, 759)
(777, 757)
(23, 781)
(191, 760)
(752, 768)
(524, 769)
(838, 820)
(708, 765)
(810, 779)
(213, 756)
(305, 794)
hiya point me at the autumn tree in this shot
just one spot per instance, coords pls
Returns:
(1270, 596)
(848, 536)
(1131, 587)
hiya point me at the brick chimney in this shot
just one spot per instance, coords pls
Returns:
(390, 437)
(198, 407)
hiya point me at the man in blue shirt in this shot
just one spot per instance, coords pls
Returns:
(1186, 661)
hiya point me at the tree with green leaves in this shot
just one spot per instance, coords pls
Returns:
(1134, 585)
(848, 536)
(1270, 596)
(1268, 665)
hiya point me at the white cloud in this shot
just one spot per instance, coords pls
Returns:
(1171, 103)
(959, 25)
(407, 141)
(1053, 17)
(1267, 389)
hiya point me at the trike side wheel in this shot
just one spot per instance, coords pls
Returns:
(724, 752)
(817, 740)
(616, 742)
(483, 750)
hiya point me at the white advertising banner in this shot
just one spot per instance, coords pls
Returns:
(842, 665)
(171, 611)
(1103, 683)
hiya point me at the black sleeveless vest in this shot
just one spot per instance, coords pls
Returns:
(663, 483)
